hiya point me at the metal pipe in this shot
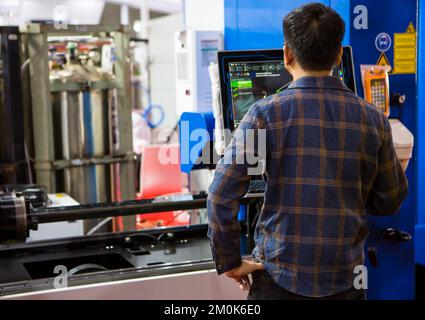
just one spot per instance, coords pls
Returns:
(105, 210)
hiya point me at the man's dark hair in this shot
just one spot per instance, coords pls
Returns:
(314, 32)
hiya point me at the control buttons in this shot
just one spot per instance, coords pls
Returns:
(398, 99)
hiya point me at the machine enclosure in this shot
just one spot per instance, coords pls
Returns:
(194, 51)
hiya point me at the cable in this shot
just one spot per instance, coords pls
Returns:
(25, 65)
(169, 234)
(28, 162)
(284, 87)
(173, 132)
(87, 266)
(148, 111)
(177, 214)
(98, 226)
(142, 235)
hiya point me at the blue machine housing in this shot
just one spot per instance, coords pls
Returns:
(253, 24)
(196, 133)
(395, 277)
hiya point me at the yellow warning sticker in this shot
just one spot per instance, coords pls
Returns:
(383, 61)
(411, 28)
(405, 51)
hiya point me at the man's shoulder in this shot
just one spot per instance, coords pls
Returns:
(265, 103)
(273, 100)
(373, 113)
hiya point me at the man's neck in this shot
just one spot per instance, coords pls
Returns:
(297, 74)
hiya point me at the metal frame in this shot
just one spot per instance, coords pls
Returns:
(187, 282)
(14, 167)
(41, 87)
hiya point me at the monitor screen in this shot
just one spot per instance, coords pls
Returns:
(251, 81)
(248, 76)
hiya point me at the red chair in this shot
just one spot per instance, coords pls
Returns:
(160, 175)
(160, 171)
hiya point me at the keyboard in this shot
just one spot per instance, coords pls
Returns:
(257, 186)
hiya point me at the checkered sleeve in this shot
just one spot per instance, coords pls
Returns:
(230, 184)
(390, 187)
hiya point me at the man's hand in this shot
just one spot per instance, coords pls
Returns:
(240, 274)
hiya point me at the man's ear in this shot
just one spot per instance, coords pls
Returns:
(288, 56)
(339, 58)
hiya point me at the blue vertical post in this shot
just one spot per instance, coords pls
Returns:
(420, 139)
(89, 146)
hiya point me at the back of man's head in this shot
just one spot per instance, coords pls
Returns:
(314, 32)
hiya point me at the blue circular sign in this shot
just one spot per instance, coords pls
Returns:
(383, 42)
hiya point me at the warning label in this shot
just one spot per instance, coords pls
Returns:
(405, 51)
(383, 61)
(411, 28)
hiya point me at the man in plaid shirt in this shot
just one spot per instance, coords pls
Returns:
(330, 160)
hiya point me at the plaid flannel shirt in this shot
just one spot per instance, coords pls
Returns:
(330, 160)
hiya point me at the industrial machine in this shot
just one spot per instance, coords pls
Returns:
(65, 112)
(76, 92)
(79, 81)
(108, 259)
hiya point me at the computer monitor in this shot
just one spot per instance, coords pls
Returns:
(248, 76)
